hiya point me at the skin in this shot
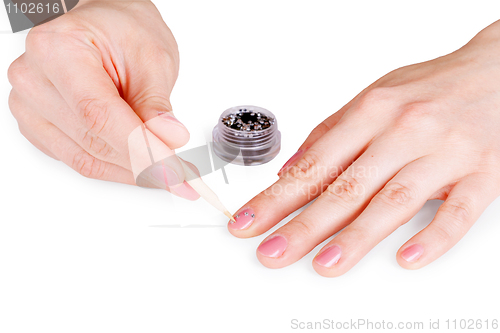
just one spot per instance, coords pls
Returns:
(425, 131)
(78, 92)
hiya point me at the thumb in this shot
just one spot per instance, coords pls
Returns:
(149, 97)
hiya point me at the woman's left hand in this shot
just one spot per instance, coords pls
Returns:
(422, 132)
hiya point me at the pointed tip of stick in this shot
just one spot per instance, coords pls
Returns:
(230, 216)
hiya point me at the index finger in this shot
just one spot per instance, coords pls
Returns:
(305, 181)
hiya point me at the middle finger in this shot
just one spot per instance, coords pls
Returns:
(338, 206)
(307, 179)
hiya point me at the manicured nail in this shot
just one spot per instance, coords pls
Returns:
(329, 257)
(165, 175)
(169, 116)
(244, 219)
(273, 247)
(412, 253)
(291, 162)
(185, 191)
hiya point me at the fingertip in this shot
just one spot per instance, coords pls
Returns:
(192, 167)
(409, 256)
(239, 233)
(326, 272)
(327, 262)
(272, 263)
(248, 222)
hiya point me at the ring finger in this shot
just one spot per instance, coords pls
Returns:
(393, 206)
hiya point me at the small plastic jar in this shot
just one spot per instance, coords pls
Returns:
(247, 135)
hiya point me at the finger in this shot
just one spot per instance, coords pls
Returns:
(306, 180)
(339, 204)
(314, 136)
(321, 130)
(465, 203)
(325, 126)
(148, 93)
(39, 95)
(393, 206)
(14, 106)
(192, 167)
(186, 191)
(93, 97)
(29, 136)
(66, 150)
(314, 171)
(91, 94)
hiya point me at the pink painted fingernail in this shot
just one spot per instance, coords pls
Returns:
(165, 175)
(291, 162)
(329, 257)
(273, 247)
(412, 253)
(243, 219)
(185, 191)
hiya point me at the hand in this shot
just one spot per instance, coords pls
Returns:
(422, 132)
(89, 79)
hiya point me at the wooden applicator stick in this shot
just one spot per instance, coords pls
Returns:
(204, 191)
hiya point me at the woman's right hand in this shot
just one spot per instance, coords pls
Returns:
(92, 77)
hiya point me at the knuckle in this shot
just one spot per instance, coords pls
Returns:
(153, 98)
(162, 54)
(346, 187)
(96, 146)
(15, 106)
(320, 130)
(87, 165)
(38, 40)
(396, 195)
(17, 74)
(373, 97)
(13, 103)
(457, 212)
(23, 131)
(459, 209)
(58, 35)
(94, 113)
(307, 168)
(418, 116)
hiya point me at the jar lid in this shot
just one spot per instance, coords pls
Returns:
(247, 135)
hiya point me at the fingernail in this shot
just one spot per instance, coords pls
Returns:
(329, 257)
(292, 161)
(273, 247)
(185, 191)
(165, 175)
(243, 219)
(169, 116)
(412, 253)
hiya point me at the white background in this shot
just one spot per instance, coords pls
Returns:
(80, 255)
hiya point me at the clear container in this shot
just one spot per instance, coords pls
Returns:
(249, 146)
